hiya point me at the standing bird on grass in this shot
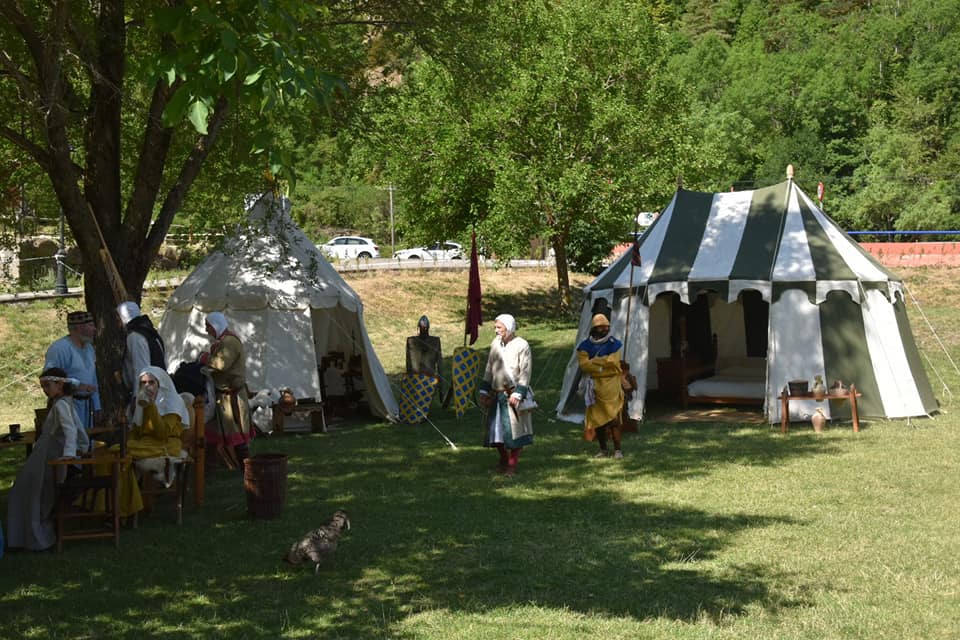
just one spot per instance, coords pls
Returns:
(319, 543)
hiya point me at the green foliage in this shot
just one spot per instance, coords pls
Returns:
(570, 122)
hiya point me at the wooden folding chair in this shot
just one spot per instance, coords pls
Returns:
(193, 441)
(72, 486)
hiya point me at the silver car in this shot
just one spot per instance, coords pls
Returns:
(351, 248)
(437, 251)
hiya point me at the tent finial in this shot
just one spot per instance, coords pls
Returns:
(789, 172)
(679, 181)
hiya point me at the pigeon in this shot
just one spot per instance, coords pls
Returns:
(319, 543)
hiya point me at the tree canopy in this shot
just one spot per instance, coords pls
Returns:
(120, 104)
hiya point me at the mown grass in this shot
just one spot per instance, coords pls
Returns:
(705, 530)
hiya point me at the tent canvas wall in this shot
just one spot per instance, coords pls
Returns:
(830, 308)
(283, 299)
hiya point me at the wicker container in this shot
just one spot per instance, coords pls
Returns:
(265, 481)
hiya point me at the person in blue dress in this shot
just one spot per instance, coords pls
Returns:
(74, 354)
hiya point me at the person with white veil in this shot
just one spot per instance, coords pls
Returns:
(225, 364)
(159, 417)
(505, 385)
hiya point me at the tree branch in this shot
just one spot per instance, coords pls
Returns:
(38, 153)
(11, 11)
(26, 85)
(153, 158)
(188, 173)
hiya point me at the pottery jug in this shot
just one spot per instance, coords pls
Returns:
(819, 420)
(838, 389)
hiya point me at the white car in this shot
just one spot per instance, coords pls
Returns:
(351, 247)
(437, 251)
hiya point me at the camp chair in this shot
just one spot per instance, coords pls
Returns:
(176, 470)
(73, 486)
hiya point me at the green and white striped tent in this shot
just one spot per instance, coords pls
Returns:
(827, 307)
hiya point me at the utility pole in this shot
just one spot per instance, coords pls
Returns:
(390, 189)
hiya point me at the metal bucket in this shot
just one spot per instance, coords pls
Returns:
(265, 481)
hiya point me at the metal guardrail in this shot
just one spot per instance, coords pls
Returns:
(347, 266)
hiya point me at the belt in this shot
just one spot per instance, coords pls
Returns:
(82, 396)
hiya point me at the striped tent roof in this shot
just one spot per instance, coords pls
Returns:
(767, 239)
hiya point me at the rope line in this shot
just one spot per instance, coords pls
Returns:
(936, 337)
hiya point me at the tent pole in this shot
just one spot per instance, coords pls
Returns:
(633, 256)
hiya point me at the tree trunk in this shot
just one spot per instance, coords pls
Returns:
(109, 345)
(563, 274)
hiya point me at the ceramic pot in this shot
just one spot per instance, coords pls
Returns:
(819, 389)
(819, 420)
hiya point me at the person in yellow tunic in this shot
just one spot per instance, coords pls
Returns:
(159, 418)
(599, 357)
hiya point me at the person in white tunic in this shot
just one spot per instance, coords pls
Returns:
(30, 522)
(505, 384)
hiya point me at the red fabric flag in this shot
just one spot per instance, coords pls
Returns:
(474, 315)
(635, 253)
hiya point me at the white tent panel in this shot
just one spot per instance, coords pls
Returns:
(890, 364)
(636, 349)
(649, 250)
(795, 352)
(722, 235)
(794, 262)
(855, 258)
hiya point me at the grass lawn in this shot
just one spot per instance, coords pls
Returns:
(704, 530)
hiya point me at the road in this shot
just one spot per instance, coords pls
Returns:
(347, 266)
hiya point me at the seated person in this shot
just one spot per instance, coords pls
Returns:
(30, 504)
(159, 418)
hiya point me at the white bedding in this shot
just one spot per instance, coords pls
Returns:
(736, 378)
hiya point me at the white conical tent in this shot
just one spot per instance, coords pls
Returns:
(284, 301)
(830, 307)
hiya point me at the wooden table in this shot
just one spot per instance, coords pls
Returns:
(30, 438)
(27, 439)
(850, 396)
